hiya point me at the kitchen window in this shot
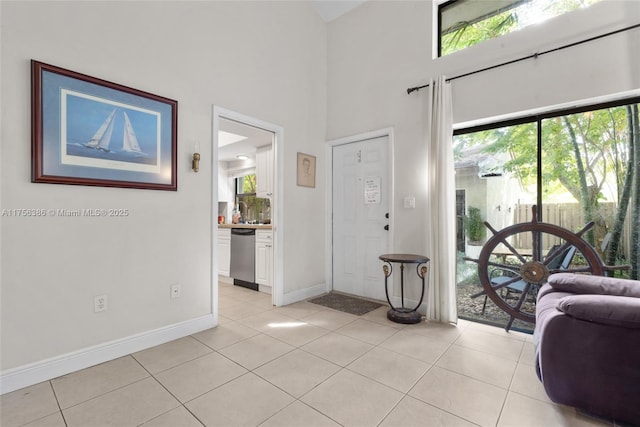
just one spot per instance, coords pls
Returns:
(252, 209)
(246, 185)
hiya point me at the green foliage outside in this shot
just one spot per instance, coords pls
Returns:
(249, 183)
(466, 34)
(587, 155)
(253, 205)
(474, 225)
(469, 34)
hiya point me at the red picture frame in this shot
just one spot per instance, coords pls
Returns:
(89, 131)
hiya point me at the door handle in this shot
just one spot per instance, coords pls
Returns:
(386, 227)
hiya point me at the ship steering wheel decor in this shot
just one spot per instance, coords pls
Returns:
(511, 276)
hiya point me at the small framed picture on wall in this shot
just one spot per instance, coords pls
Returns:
(306, 170)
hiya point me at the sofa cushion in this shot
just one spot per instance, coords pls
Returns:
(601, 285)
(604, 309)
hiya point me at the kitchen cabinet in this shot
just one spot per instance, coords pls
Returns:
(264, 171)
(264, 259)
(225, 185)
(224, 251)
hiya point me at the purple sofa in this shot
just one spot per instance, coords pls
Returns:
(587, 340)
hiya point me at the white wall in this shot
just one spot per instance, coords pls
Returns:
(381, 48)
(264, 59)
(275, 61)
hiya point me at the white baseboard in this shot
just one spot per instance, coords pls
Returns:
(302, 294)
(34, 373)
(225, 279)
(265, 289)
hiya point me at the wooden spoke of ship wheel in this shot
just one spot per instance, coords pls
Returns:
(529, 271)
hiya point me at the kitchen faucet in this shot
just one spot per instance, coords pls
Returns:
(246, 211)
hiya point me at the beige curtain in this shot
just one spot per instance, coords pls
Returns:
(441, 214)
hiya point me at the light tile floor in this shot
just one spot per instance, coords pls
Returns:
(305, 365)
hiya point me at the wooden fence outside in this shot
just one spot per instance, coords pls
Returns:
(570, 217)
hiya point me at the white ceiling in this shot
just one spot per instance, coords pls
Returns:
(255, 138)
(332, 9)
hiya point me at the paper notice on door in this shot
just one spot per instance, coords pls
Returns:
(372, 190)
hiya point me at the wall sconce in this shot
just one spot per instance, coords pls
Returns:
(195, 163)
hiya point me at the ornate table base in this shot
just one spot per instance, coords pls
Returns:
(402, 314)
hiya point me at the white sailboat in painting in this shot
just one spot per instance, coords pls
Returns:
(102, 137)
(129, 141)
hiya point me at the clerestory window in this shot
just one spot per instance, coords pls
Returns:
(464, 23)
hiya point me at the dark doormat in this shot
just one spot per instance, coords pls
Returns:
(348, 304)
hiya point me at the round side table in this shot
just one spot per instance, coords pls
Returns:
(403, 314)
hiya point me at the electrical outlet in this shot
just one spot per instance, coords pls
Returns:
(99, 303)
(175, 291)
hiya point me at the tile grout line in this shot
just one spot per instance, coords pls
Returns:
(346, 367)
(168, 391)
(55, 395)
(295, 347)
(341, 368)
(458, 373)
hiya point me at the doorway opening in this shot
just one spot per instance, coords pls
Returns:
(244, 147)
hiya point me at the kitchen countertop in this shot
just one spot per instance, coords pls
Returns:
(254, 226)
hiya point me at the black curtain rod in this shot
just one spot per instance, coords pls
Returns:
(535, 55)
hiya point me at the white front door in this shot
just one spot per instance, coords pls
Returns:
(361, 193)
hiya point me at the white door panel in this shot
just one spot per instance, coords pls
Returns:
(360, 204)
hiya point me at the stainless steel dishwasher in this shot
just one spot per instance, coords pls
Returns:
(243, 257)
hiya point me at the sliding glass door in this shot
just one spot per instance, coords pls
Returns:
(577, 166)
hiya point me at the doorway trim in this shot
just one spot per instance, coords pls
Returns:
(385, 132)
(277, 290)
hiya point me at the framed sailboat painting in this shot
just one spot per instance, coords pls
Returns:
(89, 131)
